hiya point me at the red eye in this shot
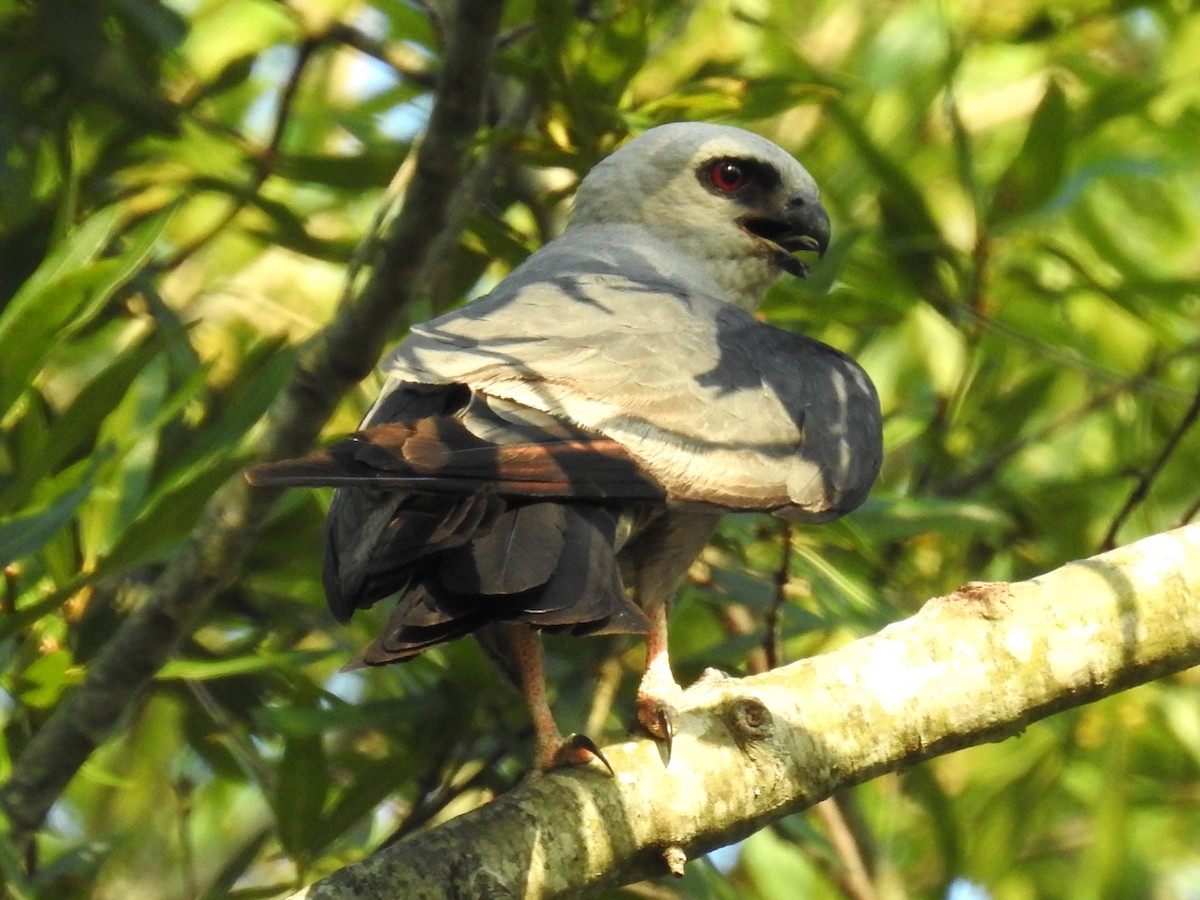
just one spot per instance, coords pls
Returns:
(727, 175)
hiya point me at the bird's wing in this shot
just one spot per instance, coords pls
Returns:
(453, 499)
(715, 406)
(487, 443)
(595, 373)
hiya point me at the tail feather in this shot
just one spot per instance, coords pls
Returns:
(316, 470)
(442, 456)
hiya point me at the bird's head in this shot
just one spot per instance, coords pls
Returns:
(734, 204)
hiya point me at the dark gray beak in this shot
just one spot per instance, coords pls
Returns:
(802, 224)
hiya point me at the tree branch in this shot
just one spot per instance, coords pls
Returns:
(978, 665)
(334, 361)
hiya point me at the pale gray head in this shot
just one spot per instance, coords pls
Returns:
(736, 204)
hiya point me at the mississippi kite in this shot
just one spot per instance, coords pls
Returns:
(556, 453)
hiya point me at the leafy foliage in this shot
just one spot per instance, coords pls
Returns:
(183, 188)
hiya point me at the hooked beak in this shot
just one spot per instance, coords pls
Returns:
(802, 224)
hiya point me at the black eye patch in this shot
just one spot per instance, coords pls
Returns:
(737, 176)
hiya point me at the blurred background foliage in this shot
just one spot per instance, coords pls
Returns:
(184, 186)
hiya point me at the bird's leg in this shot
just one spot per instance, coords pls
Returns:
(661, 558)
(552, 750)
(658, 691)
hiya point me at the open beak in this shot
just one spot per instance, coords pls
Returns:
(802, 224)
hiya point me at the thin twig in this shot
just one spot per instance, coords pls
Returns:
(263, 162)
(184, 795)
(407, 63)
(1146, 479)
(773, 618)
(854, 875)
(607, 681)
(1190, 513)
(431, 803)
(984, 472)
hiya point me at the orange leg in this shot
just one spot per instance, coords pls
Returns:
(551, 749)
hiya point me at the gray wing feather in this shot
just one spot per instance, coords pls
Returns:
(718, 407)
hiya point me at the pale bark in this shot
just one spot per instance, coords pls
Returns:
(978, 665)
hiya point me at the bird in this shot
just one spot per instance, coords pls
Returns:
(554, 455)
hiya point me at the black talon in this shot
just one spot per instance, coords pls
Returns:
(660, 729)
(579, 749)
(668, 734)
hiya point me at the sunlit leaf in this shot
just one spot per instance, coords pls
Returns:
(46, 679)
(77, 426)
(69, 287)
(24, 534)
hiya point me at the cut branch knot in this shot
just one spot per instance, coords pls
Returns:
(749, 719)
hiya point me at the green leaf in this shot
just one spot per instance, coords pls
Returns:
(312, 720)
(768, 96)
(912, 216)
(299, 797)
(156, 21)
(22, 444)
(848, 591)
(128, 428)
(265, 369)
(169, 515)
(615, 50)
(906, 517)
(749, 590)
(12, 864)
(47, 677)
(30, 323)
(209, 669)
(221, 886)
(127, 265)
(24, 617)
(222, 33)
(373, 782)
(910, 230)
(63, 294)
(1037, 171)
(356, 173)
(76, 428)
(24, 534)
(80, 247)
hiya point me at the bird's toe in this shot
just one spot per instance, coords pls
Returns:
(575, 750)
(656, 717)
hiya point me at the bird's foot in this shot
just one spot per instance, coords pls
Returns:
(573, 750)
(656, 714)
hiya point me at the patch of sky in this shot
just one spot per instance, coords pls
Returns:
(725, 859)
(962, 889)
